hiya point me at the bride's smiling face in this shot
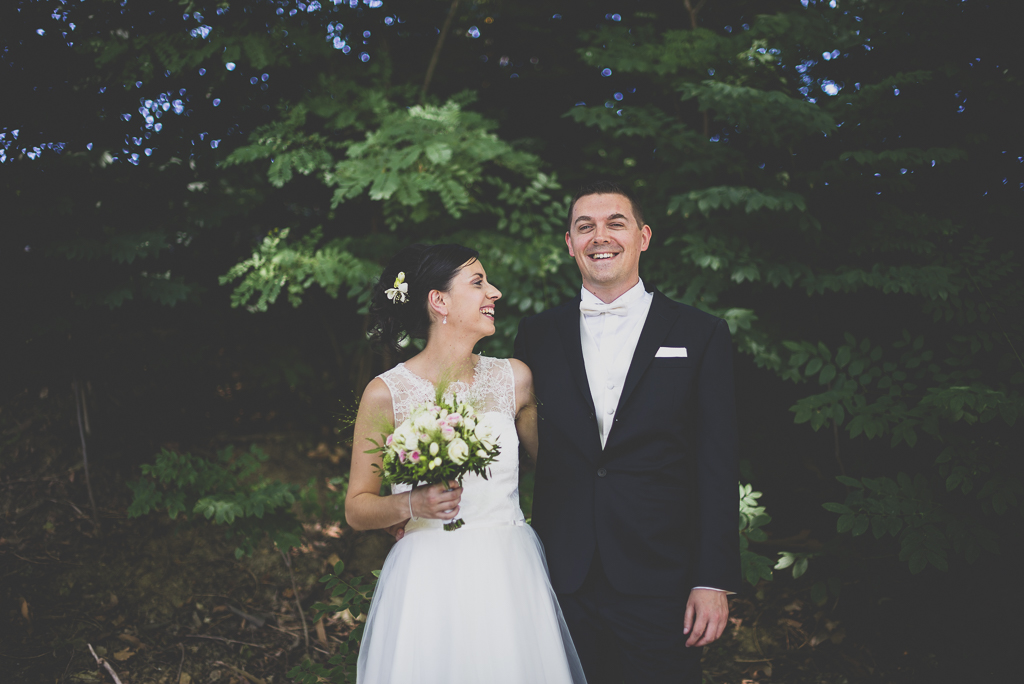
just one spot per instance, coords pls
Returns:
(470, 300)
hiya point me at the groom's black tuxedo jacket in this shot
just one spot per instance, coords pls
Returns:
(660, 501)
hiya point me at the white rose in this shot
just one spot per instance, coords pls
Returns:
(487, 432)
(425, 421)
(406, 436)
(458, 451)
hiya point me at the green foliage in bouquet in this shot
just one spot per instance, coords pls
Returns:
(225, 490)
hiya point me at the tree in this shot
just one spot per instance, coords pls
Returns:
(844, 190)
(836, 179)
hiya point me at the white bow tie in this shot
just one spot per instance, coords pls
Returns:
(615, 308)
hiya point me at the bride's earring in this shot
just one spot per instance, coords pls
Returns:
(445, 321)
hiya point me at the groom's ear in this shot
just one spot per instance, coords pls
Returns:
(568, 243)
(645, 238)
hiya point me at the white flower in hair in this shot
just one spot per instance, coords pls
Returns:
(399, 294)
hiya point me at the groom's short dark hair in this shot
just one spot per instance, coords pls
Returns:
(604, 187)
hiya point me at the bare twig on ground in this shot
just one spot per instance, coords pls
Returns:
(226, 641)
(69, 503)
(101, 662)
(25, 480)
(298, 603)
(64, 674)
(241, 673)
(177, 678)
(258, 621)
(85, 455)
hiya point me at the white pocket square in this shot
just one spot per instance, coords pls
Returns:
(670, 352)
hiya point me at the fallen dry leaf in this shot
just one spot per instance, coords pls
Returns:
(131, 639)
(25, 610)
(123, 655)
(287, 593)
(321, 633)
(791, 623)
(333, 559)
(186, 678)
(347, 618)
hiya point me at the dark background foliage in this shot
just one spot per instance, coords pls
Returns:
(198, 195)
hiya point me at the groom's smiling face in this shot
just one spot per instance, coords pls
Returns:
(606, 240)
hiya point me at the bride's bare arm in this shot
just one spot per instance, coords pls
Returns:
(365, 508)
(526, 407)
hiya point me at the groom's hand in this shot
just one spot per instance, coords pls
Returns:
(398, 530)
(707, 612)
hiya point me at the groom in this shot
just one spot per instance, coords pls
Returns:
(636, 496)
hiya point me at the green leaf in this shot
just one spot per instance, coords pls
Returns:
(819, 593)
(827, 374)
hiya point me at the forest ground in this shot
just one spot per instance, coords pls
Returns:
(167, 602)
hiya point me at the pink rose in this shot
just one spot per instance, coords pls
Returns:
(448, 432)
(389, 440)
(453, 419)
(401, 456)
(414, 456)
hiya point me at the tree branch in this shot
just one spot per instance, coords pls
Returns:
(101, 662)
(693, 11)
(85, 456)
(437, 50)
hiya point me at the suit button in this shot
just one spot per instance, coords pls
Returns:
(601, 472)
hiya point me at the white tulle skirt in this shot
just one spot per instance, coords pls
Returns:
(470, 606)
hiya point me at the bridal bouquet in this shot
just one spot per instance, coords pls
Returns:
(438, 442)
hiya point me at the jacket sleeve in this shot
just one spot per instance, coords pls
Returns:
(718, 561)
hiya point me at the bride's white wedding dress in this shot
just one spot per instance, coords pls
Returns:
(473, 605)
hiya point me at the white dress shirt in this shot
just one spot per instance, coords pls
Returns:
(609, 342)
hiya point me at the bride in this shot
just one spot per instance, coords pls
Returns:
(475, 604)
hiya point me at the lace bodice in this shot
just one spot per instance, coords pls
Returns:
(494, 501)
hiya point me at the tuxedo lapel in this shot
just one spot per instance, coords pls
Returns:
(569, 331)
(659, 321)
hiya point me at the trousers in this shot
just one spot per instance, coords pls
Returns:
(629, 639)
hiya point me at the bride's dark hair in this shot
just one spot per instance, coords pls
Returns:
(426, 268)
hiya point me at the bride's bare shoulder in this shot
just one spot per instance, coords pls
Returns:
(376, 395)
(520, 370)
(522, 376)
